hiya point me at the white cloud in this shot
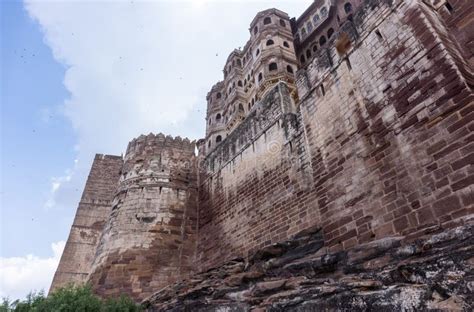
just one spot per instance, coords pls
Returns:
(57, 183)
(20, 275)
(135, 67)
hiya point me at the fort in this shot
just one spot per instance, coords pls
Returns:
(335, 174)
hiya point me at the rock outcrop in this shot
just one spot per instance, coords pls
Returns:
(432, 273)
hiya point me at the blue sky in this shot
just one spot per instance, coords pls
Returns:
(79, 78)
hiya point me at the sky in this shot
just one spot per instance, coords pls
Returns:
(85, 77)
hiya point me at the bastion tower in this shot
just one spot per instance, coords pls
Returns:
(148, 240)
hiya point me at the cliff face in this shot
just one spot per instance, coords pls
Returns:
(433, 273)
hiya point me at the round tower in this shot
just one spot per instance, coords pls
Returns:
(149, 239)
(215, 127)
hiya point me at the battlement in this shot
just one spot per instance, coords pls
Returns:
(160, 140)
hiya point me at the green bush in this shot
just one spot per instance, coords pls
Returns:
(69, 299)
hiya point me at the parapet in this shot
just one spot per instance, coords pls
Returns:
(106, 157)
(161, 140)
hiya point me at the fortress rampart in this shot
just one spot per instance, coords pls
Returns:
(359, 156)
(375, 147)
(91, 216)
(148, 241)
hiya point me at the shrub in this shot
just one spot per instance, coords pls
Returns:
(69, 299)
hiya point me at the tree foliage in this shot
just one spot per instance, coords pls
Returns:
(69, 299)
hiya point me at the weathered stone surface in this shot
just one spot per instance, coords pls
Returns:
(149, 239)
(433, 273)
(91, 216)
(345, 187)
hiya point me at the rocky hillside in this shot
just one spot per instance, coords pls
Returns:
(432, 273)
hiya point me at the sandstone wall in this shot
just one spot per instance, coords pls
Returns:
(379, 145)
(149, 239)
(256, 183)
(388, 118)
(91, 216)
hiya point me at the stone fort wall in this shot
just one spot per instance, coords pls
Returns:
(254, 185)
(379, 145)
(148, 241)
(91, 216)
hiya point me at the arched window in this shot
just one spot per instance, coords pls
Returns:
(322, 41)
(219, 95)
(260, 77)
(218, 117)
(239, 83)
(257, 53)
(330, 32)
(245, 82)
(253, 101)
(315, 48)
(324, 11)
(239, 63)
(248, 106)
(282, 23)
(309, 26)
(285, 44)
(267, 21)
(302, 59)
(272, 66)
(270, 42)
(255, 30)
(316, 19)
(303, 32)
(347, 8)
(233, 84)
(308, 53)
(289, 69)
(218, 139)
(209, 144)
(241, 107)
(210, 121)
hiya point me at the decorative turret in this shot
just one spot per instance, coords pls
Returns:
(267, 58)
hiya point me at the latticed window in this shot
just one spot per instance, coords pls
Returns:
(324, 11)
(316, 19)
(347, 8)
